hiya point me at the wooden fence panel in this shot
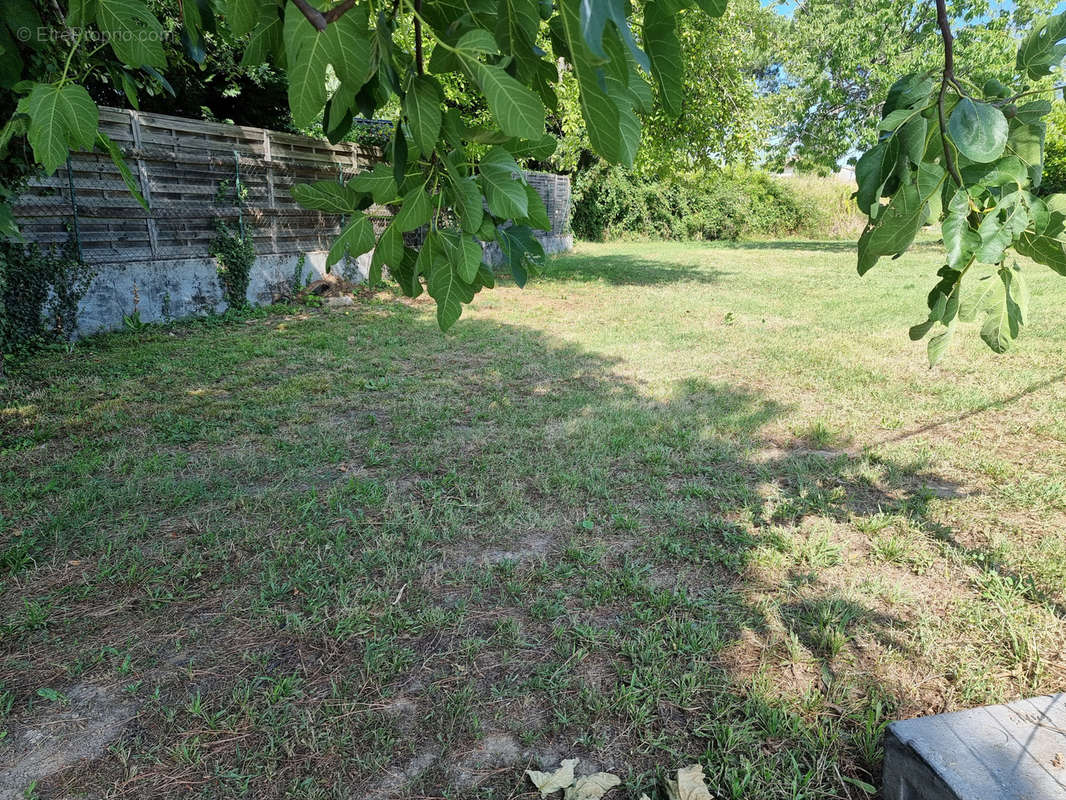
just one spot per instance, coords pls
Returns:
(180, 165)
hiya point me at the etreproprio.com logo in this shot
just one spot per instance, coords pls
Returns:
(88, 35)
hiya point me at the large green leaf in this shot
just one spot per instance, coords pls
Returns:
(594, 15)
(132, 31)
(329, 196)
(1043, 48)
(898, 118)
(266, 39)
(406, 272)
(873, 168)
(81, 13)
(356, 238)
(1008, 313)
(960, 240)
(128, 178)
(540, 149)
(446, 285)
(517, 25)
(307, 53)
(421, 104)
(62, 118)
(1003, 224)
(664, 50)
(600, 110)
(467, 198)
(242, 15)
(1047, 245)
(909, 91)
(1008, 170)
(628, 123)
(938, 345)
(912, 138)
(980, 293)
(521, 250)
(197, 19)
(1026, 142)
(416, 210)
(348, 46)
(338, 114)
(516, 108)
(537, 214)
(901, 220)
(979, 130)
(501, 180)
(464, 252)
(476, 42)
(388, 251)
(378, 182)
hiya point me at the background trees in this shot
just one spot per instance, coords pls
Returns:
(836, 61)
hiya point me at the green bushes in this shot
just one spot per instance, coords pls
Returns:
(1054, 177)
(611, 203)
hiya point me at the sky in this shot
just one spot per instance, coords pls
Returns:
(786, 7)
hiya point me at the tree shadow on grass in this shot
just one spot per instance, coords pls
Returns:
(625, 270)
(439, 560)
(824, 246)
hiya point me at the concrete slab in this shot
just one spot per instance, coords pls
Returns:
(1006, 752)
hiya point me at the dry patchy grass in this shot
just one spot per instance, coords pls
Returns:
(669, 503)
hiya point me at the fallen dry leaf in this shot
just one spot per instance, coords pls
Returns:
(549, 782)
(688, 785)
(592, 787)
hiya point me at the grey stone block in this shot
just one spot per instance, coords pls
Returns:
(1006, 752)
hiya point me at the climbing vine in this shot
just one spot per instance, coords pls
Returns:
(233, 247)
(40, 288)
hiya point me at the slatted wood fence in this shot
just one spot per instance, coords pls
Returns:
(180, 164)
(156, 263)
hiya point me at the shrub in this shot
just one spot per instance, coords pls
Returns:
(612, 203)
(1054, 177)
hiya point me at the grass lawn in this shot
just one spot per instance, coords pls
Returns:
(670, 503)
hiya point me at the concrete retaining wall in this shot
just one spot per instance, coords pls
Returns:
(165, 290)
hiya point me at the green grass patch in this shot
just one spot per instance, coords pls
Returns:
(670, 503)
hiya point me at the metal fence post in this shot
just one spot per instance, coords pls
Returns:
(74, 208)
(237, 191)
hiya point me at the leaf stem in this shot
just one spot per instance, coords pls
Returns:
(1008, 100)
(948, 78)
(70, 55)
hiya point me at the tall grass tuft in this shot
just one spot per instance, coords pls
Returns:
(832, 211)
